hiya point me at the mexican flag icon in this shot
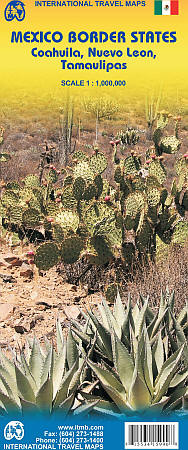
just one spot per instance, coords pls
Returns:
(166, 7)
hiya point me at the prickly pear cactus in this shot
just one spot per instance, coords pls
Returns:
(47, 256)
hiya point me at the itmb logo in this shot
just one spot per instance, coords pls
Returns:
(166, 7)
(15, 10)
(14, 429)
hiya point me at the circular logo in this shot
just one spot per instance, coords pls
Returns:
(14, 429)
(15, 10)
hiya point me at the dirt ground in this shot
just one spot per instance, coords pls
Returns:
(31, 305)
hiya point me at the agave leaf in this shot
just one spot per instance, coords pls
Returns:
(7, 364)
(111, 320)
(139, 395)
(147, 365)
(182, 317)
(105, 404)
(36, 361)
(119, 311)
(178, 379)
(72, 350)
(159, 353)
(158, 407)
(135, 315)
(107, 378)
(173, 343)
(58, 370)
(10, 379)
(59, 334)
(6, 389)
(64, 387)
(124, 364)
(103, 316)
(75, 379)
(154, 327)
(44, 395)
(47, 367)
(9, 404)
(26, 370)
(181, 340)
(141, 320)
(24, 387)
(67, 404)
(118, 398)
(168, 370)
(103, 333)
(175, 399)
(28, 406)
(85, 409)
(149, 313)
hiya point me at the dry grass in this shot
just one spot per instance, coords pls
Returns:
(171, 273)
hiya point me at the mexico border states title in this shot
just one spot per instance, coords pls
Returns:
(87, 57)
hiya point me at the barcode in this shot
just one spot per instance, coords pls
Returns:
(152, 435)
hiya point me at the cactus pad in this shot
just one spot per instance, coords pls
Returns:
(118, 175)
(13, 186)
(71, 249)
(68, 199)
(134, 204)
(96, 213)
(83, 170)
(98, 163)
(57, 233)
(98, 181)
(46, 256)
(31, 181)
(68, 181)
(180, 233)
(78, 188)
(10, 198)
(153, 196)
(68, 220)
(111, 292)
(102, 250)
(90, 192)
(185, 200)
(31, 218)
(80, 156)
(170, 144)
(132, 165)
(15, 214)
(157, 170)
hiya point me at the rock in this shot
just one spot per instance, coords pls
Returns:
(20, 329)
(26, 271)
(72, 312)
(20, 326)
(5, 311)
(8, 278)
(12, 260)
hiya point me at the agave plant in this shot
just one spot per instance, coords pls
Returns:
(139, 357)
(42, 380)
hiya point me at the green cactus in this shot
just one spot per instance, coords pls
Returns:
(132, 165)
(78, 188)
(71, 249)
(84, 170)
(31, 181)
(31, 218)
(180, 233)
(170, 144)
(156, 169)
(47, 255)
(135, 203)
(68, 220)
(98, 163)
